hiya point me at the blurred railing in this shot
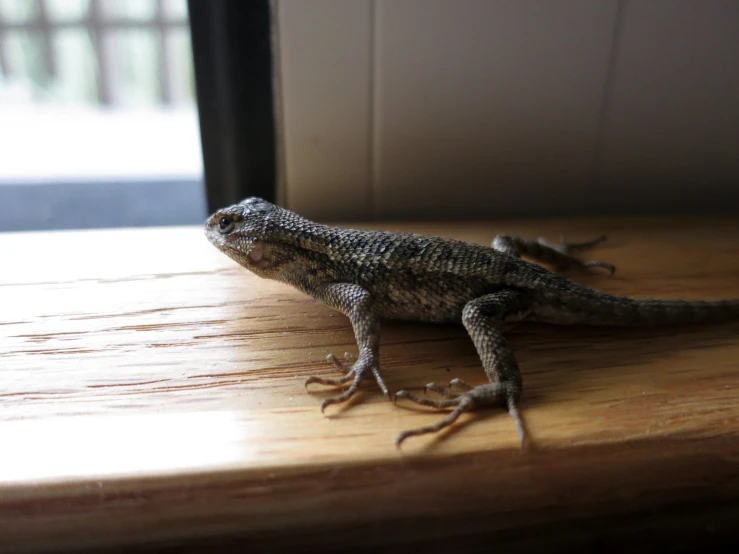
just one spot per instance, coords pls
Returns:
(98, 120)
(109, 52)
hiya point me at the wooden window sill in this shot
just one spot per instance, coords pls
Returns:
(152, 391)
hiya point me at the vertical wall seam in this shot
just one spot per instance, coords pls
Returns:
(607, 97)
(372, 161)
(278, 108)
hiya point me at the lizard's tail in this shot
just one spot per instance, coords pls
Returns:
(666, 312)
(620, 311)
(558, 300)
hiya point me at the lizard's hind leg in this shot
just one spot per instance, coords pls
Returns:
(482, 318)
(558, 255)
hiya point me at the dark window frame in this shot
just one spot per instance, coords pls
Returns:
(232, 53)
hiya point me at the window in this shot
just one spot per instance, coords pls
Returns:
(99, 118)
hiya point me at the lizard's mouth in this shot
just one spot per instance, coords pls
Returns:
(244, 251)
(247, 251)
(214, 237)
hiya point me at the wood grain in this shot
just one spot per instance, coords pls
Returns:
(152, 393)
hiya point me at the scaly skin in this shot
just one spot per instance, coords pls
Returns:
(369, 275)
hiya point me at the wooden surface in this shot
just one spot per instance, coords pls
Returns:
(153, 391)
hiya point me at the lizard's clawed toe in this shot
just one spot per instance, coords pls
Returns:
(462, 403)
(567, 248)
(605, 265)
(489, 393)
(564, 258)
(345, 367)
(354, 374)
(440, 389)
(344, 396)
(457, 382)
(452, 399)
(349, 373)
(338, 381)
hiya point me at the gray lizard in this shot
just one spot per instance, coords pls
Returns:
(369, 275)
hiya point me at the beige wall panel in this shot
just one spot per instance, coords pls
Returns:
(323, 62)
(488, 107)
(671, 138)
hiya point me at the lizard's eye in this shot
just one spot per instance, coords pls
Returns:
(225, 224)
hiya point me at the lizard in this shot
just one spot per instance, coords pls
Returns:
(372, 275)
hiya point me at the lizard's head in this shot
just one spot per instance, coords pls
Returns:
(239, 231)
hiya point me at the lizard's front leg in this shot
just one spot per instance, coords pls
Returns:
(356, 303)
(482, 318)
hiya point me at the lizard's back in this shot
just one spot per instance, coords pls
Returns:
(426, 278)
(409, 276)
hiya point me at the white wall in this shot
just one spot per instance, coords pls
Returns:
(479, 108)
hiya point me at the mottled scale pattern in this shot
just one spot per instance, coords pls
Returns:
(369, 275)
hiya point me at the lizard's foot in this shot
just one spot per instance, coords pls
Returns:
(439, 389)
(568, 248)
(354, 373)
(559, 255)
(473, 397)
(342, 367)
